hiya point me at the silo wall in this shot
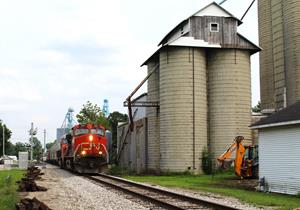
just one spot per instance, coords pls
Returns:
(183, 108)
(266, 55)
(229, 101)
(279, 31)
(153, 120)
(291, 19)
(278, 54)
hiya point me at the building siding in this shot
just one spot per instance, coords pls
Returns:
(134, 154)
(279, 160)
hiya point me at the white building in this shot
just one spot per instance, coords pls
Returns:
(279, 150)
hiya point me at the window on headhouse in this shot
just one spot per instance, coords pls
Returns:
(214, 27)
(181, 29)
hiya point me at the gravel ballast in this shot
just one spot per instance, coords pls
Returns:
(66, 191)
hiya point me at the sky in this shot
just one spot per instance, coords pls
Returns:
(58, 54)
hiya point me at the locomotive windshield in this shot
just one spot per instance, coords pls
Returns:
(81, 131)
(97, 131)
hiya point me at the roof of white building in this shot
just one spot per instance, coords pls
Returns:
(287, 116)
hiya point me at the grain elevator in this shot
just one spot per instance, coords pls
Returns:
(279, 36)
(202, 83)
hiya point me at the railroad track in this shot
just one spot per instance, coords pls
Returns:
(162, 198)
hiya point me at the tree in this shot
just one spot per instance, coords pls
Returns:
(257, 108)
(113, 119)
(37, 148)
(21, 147)
(91, 113)
(7, 134)
(10, 149)
(49, 145)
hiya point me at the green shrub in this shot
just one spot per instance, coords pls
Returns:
(8, 187)
(118, 171)
(208, 161)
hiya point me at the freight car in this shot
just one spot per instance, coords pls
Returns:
(83, 149)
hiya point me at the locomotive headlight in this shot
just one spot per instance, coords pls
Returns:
(91, 137)
(100, 152)
(83, 152)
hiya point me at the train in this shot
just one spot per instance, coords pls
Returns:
(83, 149)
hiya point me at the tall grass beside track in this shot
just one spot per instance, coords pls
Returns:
(215, 184)
(8, 187)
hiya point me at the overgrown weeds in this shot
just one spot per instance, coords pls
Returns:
(8, 188)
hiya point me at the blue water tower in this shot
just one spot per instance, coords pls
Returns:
(105, 108)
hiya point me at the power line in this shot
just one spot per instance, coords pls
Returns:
(222, 2)
(248, 9)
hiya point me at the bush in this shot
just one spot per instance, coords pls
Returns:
(117, 170)
(207, 161)
(8, 194)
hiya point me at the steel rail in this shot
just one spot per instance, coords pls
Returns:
(179, 197)
(140, 195)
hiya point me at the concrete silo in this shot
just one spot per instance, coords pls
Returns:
(183, 122)
(153, 118)
(291, 27)
(229, 101)
(266, 56)
(279, 35)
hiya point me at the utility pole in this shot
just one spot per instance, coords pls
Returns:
(3, 135)
(32, 132)
(44, 140)
(31, 142)
(3, 141)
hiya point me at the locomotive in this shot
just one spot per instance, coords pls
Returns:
(82, 150)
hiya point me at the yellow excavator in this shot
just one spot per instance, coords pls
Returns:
(245, 161)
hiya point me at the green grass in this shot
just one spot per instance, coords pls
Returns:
(216, 184)
(8, 187)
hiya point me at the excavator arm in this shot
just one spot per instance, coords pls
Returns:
(240, 152)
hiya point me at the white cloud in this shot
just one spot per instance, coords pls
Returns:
(16, 89)
(9, 73)
(49, 56)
